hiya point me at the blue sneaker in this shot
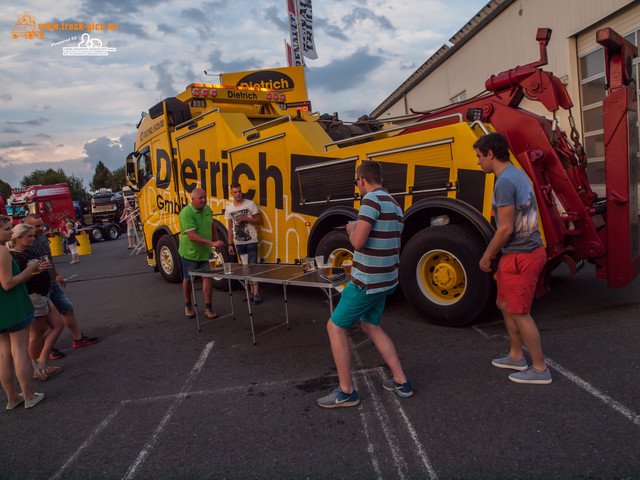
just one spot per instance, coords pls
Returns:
(531, 375)
(508, 362)
(401, 389)
(339, 399)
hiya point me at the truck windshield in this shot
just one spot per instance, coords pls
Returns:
(21, 210)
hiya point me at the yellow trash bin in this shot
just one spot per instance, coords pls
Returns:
(84, 244)
(55, 243)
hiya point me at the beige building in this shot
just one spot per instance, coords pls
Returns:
(501, 36)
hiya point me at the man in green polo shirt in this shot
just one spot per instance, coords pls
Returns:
(196, 220)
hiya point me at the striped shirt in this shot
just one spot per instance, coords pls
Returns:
(375, 266)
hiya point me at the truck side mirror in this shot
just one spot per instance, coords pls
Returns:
(130, 168)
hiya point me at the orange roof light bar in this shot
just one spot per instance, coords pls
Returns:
(222, 93)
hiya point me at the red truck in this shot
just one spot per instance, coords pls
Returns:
(578, 226)
(51, 202)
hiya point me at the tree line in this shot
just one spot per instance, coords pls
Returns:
(102, 178)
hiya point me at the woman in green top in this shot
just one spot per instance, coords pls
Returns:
(16, 314)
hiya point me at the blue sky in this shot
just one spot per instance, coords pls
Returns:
(70, 112)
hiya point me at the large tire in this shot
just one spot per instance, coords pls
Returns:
(335, 247)
(112, 232)
(440, 276)
(96, 234)
(167, 259)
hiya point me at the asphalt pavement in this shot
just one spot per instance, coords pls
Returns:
(157, 399)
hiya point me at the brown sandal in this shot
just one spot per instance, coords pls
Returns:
(39, 371)
(52, 371)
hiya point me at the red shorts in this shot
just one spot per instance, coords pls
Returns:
(517, 277)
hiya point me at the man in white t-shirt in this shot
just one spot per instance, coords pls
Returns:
(242, 218)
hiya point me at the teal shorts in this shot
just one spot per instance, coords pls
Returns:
(356, 305)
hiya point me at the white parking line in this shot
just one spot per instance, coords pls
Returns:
(414, 436)
(88, 441)
(392, 442)
(586, 386)
(386, 425)
(172, 408)
(178, 398)
(610, 402)
(370, 447)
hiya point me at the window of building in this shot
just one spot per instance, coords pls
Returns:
(461, 97)
(592, 94)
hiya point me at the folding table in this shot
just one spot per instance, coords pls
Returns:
(281, 274)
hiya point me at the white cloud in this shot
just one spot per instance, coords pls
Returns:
(65, 112)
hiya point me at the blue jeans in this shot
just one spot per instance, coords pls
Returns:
(59, 299)
(250, 249)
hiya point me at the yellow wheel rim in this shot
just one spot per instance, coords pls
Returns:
(337, 257)
(166, 260)
(441, 277)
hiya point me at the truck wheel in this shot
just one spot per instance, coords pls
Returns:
(96, 234)
(113, 232)
(167, 259)
(335, 247)
(440, 277)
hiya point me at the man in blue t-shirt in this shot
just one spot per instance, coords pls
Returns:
(523, 257)
(376, 239)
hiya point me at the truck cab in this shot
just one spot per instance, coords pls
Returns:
(51, 202)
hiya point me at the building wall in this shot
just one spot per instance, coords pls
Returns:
(509, 40)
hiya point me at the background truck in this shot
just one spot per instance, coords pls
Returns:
(51, 202)
(301, 174)
(106, 209)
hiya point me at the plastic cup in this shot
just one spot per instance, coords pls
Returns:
(213, 261)
(305, 266)
(310, 264)
(347, 264)
(320, 261)
(34, 260)
(227, 268)
(244, 259)
(327, 270)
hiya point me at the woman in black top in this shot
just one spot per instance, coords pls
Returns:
(47, 322)
(72, 242)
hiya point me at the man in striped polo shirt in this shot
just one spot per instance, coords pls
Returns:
(376, 240)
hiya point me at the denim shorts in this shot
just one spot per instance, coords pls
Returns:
(19, 326)
(59, 299)
(250, 249)
(355, 304)
(190, 265)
